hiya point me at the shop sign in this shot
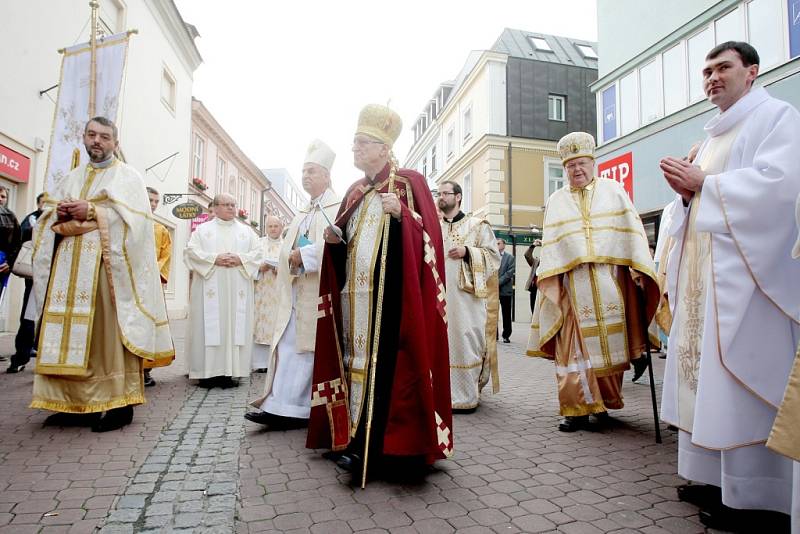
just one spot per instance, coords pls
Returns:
(619, 169)
(187, 210)
(14, 165)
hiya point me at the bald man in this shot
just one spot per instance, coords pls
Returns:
(225, 255)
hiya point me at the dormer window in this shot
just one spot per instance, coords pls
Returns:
(587, 51)
(540, 44)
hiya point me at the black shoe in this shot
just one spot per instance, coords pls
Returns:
(226, 382)
(114, 419)
(700, 495)
(506, 340)
(72, 419)
(261, 418)
(333, 456)
(575, 423)
(13, 368)
(149, 381)
(464, 410)
(639, 367)
(260, 370)
(207, 383)
(723, 517)
(351, 462)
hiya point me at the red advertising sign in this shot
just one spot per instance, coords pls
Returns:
(197, 221)
(14, 165)
(619, 169)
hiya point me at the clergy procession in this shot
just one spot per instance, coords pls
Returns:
(365, 327)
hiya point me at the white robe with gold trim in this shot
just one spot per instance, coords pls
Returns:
(287, 388)
(266, 302)
(219, 338)
(746, 341)
(470, 284)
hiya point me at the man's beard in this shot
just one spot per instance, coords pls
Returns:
(97, 159)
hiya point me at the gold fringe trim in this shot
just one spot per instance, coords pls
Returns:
(584, 409)
(58, 406)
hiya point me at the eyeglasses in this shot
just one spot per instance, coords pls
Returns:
(360, 142)
(444, 193)
(226, 205)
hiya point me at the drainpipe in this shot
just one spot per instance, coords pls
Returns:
(510, 226)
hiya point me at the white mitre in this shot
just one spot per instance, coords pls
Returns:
(321, 154)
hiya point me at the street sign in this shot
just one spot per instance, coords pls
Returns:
(187, 210)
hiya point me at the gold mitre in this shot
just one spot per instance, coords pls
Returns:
(575, 145)
(379, 122)
(321, 154)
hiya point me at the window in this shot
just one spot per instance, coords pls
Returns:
(168, 89)
(556, 106)
(220, 176)
(466, 195)
(433, 160)
(587, 51)
(425, 167)
(609, 113)
(241, 197)
(766, 31)
(451, 141)
(198, 156)
(699, 45)
(730, 27)
(539, 43)
(433, 110)
(467, 123)
(674, 66)
(253, 210)
(555, 178)
(650, 92)
(232, 186)
(111, 16)
(629, 103)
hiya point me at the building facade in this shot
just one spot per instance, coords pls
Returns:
(495, 127)
(218, 165)
(285, 186)
(649, 94)
(154, 116)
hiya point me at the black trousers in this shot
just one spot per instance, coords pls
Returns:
(532, 291)
(26, 334)
(505, 306)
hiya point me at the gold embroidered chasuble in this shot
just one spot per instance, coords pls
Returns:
(164, 258)
(101, 306)
(586, 316)
(694, 268)
(266, 296)
(472, 321)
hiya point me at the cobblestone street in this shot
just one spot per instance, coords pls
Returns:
(189, 462)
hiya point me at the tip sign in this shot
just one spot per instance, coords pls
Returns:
(619, 169)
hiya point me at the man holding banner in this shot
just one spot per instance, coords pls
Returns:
(97, 289)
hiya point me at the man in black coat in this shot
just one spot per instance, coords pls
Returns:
(506, 281)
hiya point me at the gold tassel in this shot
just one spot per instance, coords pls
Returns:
(76, 158)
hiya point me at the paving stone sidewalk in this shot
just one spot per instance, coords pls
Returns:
(189, 462)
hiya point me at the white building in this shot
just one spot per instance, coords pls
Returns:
(287, 189)
(649, 94)
(155, 104)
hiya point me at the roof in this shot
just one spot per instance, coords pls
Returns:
(518, 43)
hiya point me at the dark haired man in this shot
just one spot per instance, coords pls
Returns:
(736, 312)
(471, 264)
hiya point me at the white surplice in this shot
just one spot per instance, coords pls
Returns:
(219, 337)
(287, 388)
(724, 397)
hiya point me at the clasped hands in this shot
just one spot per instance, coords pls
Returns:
(683, 177)
(227, 259)
(72, 209)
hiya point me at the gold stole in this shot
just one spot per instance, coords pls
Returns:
(364, 233)
(692, 289)
(68, 316)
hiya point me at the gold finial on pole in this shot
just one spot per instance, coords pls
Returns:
(94, 5)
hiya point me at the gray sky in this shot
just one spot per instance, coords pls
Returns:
(277, 74)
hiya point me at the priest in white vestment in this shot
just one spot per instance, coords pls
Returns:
(96, 290)
(286, 402)
(224, 255)
(266, 294)
(471, 265)
(735, 298)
